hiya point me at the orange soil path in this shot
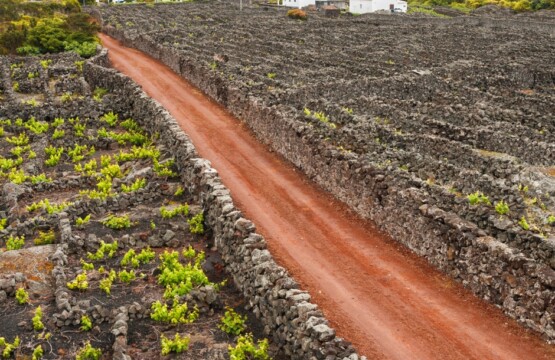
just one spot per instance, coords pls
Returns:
(388, 302)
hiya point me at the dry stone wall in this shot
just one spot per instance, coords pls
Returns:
(494, 257)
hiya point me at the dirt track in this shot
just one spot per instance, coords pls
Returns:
(390, 304)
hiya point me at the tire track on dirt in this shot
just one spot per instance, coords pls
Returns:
(388, 302)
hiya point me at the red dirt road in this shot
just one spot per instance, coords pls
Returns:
(388, 302)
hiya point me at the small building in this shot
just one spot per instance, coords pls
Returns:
(369, 6)
(331, 11)
(299, 4)
(340, 4)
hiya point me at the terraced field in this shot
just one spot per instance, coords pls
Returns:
(104, 249)
(440, 130)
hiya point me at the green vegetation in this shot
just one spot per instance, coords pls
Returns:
(551, 220)
(179, 278)
(99, 93)
(168, 214)
(9, 349)
(247, 350)
(54, 154)
(37, 353)
(524, 223)
(164, 169)
(58, 134)
(196, 225)
(320, 116)
(117, 222)
(37, 319)
(178, 314)
(86, 323)
(179, 191)
(21, 140)
(138, 184)
(468, 5)
(232, 323)
(177, 345)
(132, 259)
(86, 266)
(110, 118)
(106, 283)
(502, 207)
(21, 296)
(15, 242)
(45, 238)
(45, 204)
(88, 353)
(79, 283)
(104, 249)
(126, 276)
(478, 198)
(79, 222)
(3, 223)
(48, 27)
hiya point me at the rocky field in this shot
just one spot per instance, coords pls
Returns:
(105, 251)
(443, 124)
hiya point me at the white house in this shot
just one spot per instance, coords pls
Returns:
(368, 6)
(298, 3)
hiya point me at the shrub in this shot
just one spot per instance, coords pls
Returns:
(86, 266)
(110, 118)
(88, 353)
(79, 283)
(177, 345)
(502, 208)
(232, 323)
(40, 178)
(168, 214)
(15, 242)
(45, 238)
(37, 353)
(178, 314)
(247, 350)
(86, 323)
(196, 225)
(21, 296)
(46, 205)
(297, 14)
(37, 319)
(126, 276)
(102, 250)
(112, 170)
(478, 198)
(21, 140)
(524, 223)
(99, 93)
(138, 184)
(9, 348)
(106, 283)
(82, 221)
(550, 220)
(117, 222)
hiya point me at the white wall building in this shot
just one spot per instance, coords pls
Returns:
(368, 6)
(298, 3)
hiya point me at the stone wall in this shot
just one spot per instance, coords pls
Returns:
(296, 324)
(511, 268)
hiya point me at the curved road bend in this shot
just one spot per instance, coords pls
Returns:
(388, 302)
